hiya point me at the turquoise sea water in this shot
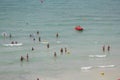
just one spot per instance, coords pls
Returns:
(20, 18)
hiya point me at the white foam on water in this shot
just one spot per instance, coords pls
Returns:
(106, 66)
(18, 44)
(45, 42)
(97, 56)
(86, 68)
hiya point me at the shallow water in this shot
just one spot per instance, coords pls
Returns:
(100, 20)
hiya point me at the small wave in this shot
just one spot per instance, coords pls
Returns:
(18, 44)
(97, 56)
(106, 66)
(45, 42)
(86, 68)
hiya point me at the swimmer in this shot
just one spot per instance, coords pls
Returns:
(57, 35)
(27, 23)
(37, 32)
(32, 49)
(108, 48)
(103, 48)
(4, 34)
(55, 55)
(41, 1)
(12, 42)
(65, 50)
(22, 58)
(48, 45)
(34, 39)
(16, 42)
(30, 35)
(61, 50)
(39, 39)
(27, 57)
(10, 36)
(37, 78)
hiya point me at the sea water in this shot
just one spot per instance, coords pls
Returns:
(20, 18)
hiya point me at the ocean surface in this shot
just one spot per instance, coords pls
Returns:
(22, 18)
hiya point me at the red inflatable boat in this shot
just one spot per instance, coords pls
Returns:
(78, 28)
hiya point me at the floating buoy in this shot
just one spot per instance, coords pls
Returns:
(102, 73)
(78, 28)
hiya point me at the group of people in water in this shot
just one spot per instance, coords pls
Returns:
(61, 51)
(104, 48)
(14, 42)
(22, 58)
(5, 35)
(38, 38)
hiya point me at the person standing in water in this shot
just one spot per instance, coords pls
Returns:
(37, 32)
(65, 50)
(103, 48)
(10, 36)
(48, 45)
(61, 50)
(37, 78)
(27, 57)
(32, 49)
(55, 55)
(22, 58)
(57, 35)
(108, 48)
(39, 39)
